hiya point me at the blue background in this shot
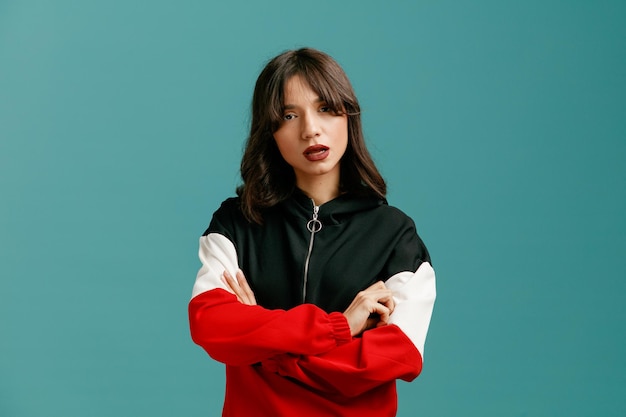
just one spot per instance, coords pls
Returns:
(499, 125)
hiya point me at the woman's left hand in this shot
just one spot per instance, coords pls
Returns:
(239, 287)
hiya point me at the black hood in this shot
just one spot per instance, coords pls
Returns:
(333, 212)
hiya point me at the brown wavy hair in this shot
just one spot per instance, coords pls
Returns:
(267, 178)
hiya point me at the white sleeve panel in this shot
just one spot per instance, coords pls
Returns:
(217, 255)
(414, 295)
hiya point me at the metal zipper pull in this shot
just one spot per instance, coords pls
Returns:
(314, 225)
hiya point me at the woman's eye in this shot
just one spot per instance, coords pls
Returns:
(325, 109)
(289, 116)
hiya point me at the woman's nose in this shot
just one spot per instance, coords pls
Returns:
(310, 127)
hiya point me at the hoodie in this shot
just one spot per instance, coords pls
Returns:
(292, 354)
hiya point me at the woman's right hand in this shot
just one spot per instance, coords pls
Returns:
(370, 308)
(239, 286)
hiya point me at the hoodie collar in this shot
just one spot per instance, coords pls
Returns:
(334, 211)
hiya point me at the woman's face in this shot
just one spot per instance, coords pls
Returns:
(311, 137)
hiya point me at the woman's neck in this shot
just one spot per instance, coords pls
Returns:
(320, 191)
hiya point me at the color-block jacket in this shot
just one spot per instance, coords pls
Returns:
(292, 354)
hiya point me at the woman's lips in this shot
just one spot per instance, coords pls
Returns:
(316, 152)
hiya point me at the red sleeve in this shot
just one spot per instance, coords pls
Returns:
(381, 355)
(238, 334)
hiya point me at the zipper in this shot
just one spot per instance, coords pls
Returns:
(314, 226)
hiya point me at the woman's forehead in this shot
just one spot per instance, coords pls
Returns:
(298, 89)
(313, 88)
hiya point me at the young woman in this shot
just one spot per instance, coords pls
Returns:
(314, 292)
